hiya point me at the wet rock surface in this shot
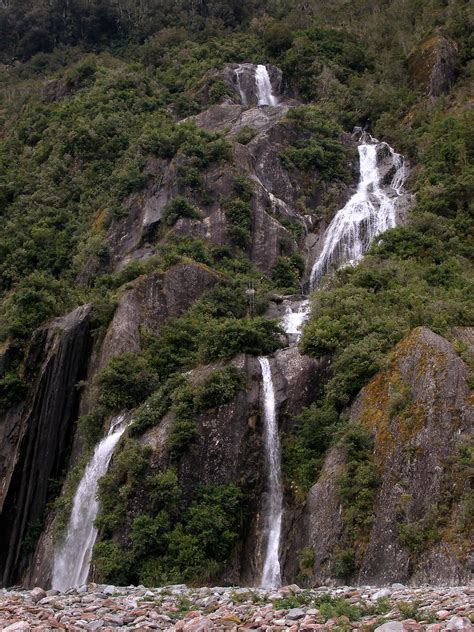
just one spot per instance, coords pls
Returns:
(176, 608)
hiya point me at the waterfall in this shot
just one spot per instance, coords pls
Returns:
(271, 577)
(72, 559)
(296, 314)
(264, 87)
(243, 97)
(368, 213)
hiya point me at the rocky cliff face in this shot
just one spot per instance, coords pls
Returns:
(35, 438)
(416, 411)
(420, 414)
(433, 65)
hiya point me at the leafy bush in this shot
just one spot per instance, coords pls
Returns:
(228, 337)
(153, 409)
(416, 536)
(91, 427)
(179, 208)
(219, 388)
(287, 273)
(12, 389)
(111, 562)
(245, 135)
(116, 486)
(239, 214)
(323, 150)
(358, 485)
(125, 382)
(164, 550)
(305, 444)
(306, 559)
(37, 297)
(344, 564)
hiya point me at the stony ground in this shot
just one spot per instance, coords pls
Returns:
(97, 607)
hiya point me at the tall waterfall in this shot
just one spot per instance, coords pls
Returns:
(72, 559)
(264, 87)
(271, 577)
(368, 213)
(243, 97)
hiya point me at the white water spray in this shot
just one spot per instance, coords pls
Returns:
(72, 559)
(368, 213)
(264, 87)
(243, 97)
(296, 314)
(271, 577)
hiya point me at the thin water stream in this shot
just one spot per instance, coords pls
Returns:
(72, 559)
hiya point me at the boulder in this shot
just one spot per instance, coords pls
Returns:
(432, 64)
(152, 299)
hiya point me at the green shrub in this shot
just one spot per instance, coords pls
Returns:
(164, 491)
(183, 434)
(116, 487)
(111, 563)
(13, 389)
(179, 208)
(305, 444)
(243, 187)
(306, 559)
(277, 37)
(334, 607)
(344, 564)
(125, 382)
(359, 484)
(417, 535)
(91, 427)
(225, 301)
(245, 135)
(219, 388)
(239, 214)
(322, 151)
(217, 89)
(37, 297)
(154, 408)
(228, 337)
(178, 249)
(287, 273)
(147, 534)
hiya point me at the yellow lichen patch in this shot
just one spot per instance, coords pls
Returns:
(411, 422)
(100, 220)
(373, 415)
(423, 58)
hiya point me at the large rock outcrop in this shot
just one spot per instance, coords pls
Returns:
(433, 64)
(152, 299)
(420, 414)
(35, 439)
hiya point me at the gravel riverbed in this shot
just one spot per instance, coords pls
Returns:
(394, 608)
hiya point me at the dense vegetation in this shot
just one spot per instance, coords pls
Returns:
(91, 93)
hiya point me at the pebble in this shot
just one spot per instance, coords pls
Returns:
(295, 613)
(109, 608)
(37, 594)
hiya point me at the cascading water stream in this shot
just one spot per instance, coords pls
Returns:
(253, 81)
(243, 97)
(368, 213)
(292, 322)
(295, 317)
(271, 577)
(72, 559)
(264, 87)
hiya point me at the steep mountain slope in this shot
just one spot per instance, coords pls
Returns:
(162, 207)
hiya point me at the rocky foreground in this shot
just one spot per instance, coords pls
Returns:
(99, 607)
